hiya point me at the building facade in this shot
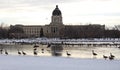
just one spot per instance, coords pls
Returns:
(56, 29)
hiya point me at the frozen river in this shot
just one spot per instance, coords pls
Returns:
(76, 51)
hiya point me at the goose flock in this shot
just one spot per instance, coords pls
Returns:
(110, 57)
(35, 53)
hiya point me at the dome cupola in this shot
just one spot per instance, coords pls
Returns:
(56, 11)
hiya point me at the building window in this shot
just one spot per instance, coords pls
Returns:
(53, 29)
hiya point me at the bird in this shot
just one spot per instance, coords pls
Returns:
(111, 58)
(35, 52)
(42, 50)
(35, 46)
(94, 54)
(48, 45)
(105, 57)
(19, 52)
(23, 53)
(111, 55)
(68, 54)
(6, 52)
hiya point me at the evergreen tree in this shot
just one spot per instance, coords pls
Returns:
(41, 32)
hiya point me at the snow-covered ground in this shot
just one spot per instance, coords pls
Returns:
(15, 62)
(67, 41)
(55, 63)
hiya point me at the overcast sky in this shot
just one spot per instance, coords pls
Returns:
(75, 12)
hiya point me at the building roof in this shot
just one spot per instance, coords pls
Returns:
(56, 11)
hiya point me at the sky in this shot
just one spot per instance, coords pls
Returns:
(74, 12)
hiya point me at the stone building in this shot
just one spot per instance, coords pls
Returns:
(51, 30)
(56, 29)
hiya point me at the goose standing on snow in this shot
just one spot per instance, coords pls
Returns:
(19, 53)
(6, 52)
(23, 53)
(35, 51)
(105, 57)
(68, 54)
(42, 50)
(111, 57)
(48, 45)
(94, 54)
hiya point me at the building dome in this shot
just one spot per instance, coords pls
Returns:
(56, 11)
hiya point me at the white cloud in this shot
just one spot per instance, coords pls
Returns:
(73, 11)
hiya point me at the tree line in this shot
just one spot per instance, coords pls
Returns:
(10, 32)
(89, 31)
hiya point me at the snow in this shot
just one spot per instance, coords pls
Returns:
(68, 41)
(14, 62)
(11, 62)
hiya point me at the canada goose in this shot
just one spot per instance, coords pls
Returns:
(111, 55)
(23, 53)
(105, 57)
(19, 52)
(48, 45)
(111, 58)
(68, 54)
(6, 52)
(35, 51)
(42, 50)
(94, 54)
(35, 46)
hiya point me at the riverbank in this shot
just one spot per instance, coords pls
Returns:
(82, 41)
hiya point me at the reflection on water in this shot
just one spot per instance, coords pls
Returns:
(76, 51)
(56, 50)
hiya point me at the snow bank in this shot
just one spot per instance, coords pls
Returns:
(55, 63)
(68, 41)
